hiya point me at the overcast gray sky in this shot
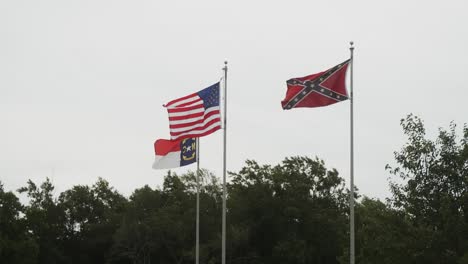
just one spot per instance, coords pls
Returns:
(82, 82)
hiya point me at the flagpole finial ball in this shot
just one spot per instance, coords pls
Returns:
(351, 43)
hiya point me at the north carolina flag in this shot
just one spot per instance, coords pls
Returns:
(174, 153)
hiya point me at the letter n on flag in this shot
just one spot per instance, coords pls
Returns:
(174, 153)
(319, 89)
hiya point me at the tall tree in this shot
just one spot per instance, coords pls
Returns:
(14, 238)
(92, 215)
(159, 224)
(45, 222)
(294, 212)
(432, 188)
(384, 234)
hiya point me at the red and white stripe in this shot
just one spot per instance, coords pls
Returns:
(189, 118)
(167, 154)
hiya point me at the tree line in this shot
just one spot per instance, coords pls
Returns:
(293, 212)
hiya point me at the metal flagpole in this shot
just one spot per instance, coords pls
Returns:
(223, 233)
(197, 243)
(351, 194)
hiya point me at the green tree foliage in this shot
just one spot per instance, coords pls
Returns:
(14, 238)
(159, 225)
(45, 222)
(433, 191)
(75, 228)
(91, 217)
(294, 212)
(384, 235)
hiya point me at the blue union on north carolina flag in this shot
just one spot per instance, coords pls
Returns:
(174, 153)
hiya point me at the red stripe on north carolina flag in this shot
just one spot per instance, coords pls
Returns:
(163, 146)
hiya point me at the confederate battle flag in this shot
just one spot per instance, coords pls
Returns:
(319, 89)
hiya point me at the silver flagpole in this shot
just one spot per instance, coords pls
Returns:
(223, 233)
(351, 194)
(197, 243)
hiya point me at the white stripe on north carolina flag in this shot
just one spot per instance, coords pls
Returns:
(169, 161)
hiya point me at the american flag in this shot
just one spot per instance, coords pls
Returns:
(195, 115)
